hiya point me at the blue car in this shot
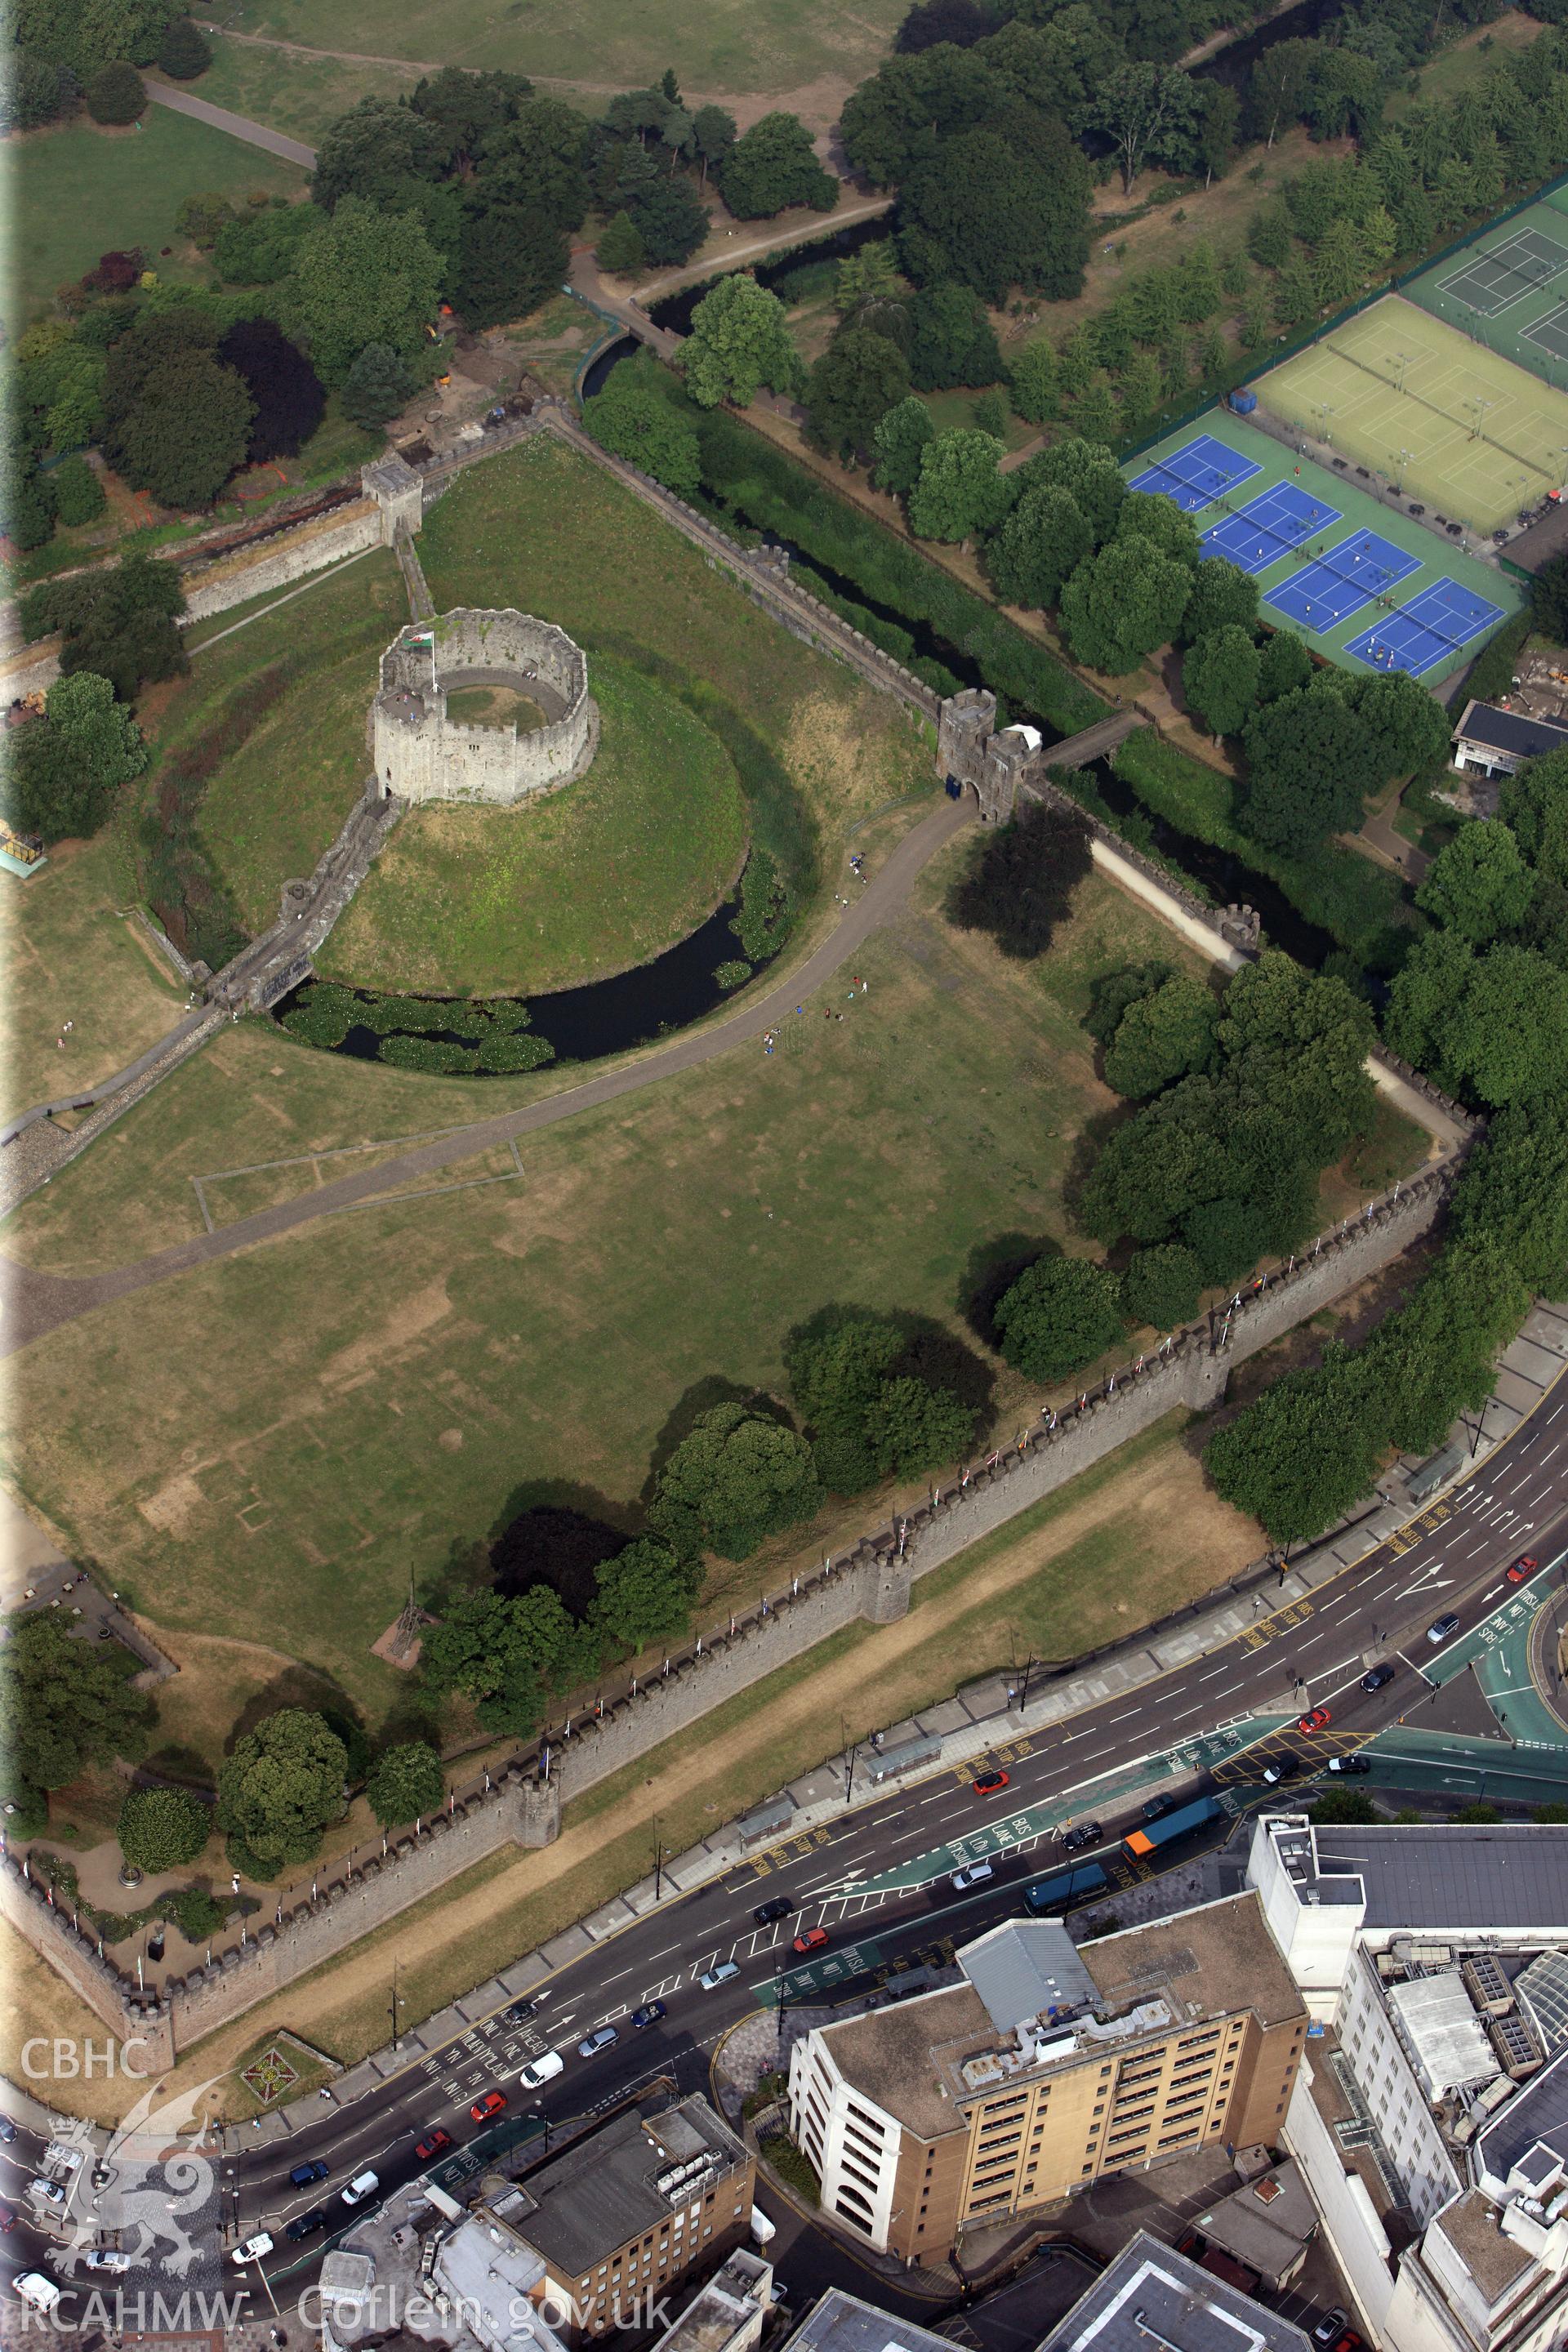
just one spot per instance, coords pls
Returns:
(303, 2175)
(649, 2015)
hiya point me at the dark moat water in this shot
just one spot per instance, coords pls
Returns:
(607, 1017)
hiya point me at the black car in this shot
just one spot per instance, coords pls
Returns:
(305, 2225)
(1379, 1678)
(649, 2014)
(520, 2013)
(1281, 1768)
(7, 2130)
(1156, 1808)
(779, 1907)
(1085, 1833)
(1341, 1764)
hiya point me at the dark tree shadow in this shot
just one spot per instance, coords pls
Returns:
(1088, 1145)
(932, 1353)
(558, 1548)
(297, 1685)
(991, 1270)
(714, 1388)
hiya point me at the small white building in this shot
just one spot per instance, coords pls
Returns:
(1492, 742)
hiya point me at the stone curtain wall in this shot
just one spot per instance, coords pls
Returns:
(629, 1717)
(293, 555)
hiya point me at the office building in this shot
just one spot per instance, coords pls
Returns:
(1049, 2067)
(1430, 2115)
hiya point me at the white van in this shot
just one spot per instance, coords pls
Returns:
(362, 2185)
(41, 2292)
(540, 2071)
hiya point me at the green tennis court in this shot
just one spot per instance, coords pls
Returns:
(1508, 289)
(1411, 398)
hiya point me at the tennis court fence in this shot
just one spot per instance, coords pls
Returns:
(1477, 431)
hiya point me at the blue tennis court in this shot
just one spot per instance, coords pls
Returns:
(1277, 522)
(1195, 474)
(1433, 629)
(1327, 590)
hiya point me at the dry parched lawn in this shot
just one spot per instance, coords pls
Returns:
(378, 1387)
(71, 953)
(605, 873)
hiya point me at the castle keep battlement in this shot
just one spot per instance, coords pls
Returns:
(422, 754)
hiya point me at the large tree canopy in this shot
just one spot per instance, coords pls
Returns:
(740, 1477)
(857, 380)
(363, 277)
(66, 1703)
(1122, 602)
(1059, 1315)
(740, 340)
(772, 165)
(996, 219)
(278, 1789)
(633, 418)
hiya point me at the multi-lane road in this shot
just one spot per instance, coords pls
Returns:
(879, 1876)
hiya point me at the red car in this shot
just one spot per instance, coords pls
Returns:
(7, 2217)
(434, 2143)
(490, 2105)
(1525, 1565)
(991, 1784)
(1317, 1718)
(810, 1939)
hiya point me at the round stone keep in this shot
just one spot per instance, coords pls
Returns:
(421, 754)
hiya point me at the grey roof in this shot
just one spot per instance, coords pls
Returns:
(1542, 1988)
(1537, 2111)
(837, 2322)
(1447, 1875)
(1444, 2033)
(582, 2204)
(1510, 730)
(1025, 1968)
(1150, 2288)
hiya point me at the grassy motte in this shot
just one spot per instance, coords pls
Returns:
(602, 874)
(275, 801)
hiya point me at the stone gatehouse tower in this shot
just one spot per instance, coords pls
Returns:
(996, 765)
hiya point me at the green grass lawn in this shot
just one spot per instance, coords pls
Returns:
(714, 45)
(78, 190)
(277, 803)
(603, 874)
(70, 953)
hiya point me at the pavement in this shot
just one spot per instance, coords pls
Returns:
(239, 126)
(36, 1302)
(1091, 1738)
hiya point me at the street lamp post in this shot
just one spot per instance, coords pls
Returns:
(849, 1755)
(658, 1862)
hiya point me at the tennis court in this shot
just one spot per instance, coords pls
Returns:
(1495, 276)
(1277, 522)
(1338, 584)
(1422, 558)
(1410, 398)
(1432, 631)
(1196, 474)
(1508, 290)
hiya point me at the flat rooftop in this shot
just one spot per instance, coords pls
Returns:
(837, 2322)
(1538, 2110)
(1149, 2287)
(1217, 1959)
(924, 2059)
(1470, 2226)
(1444, 1875)
(632, 2175)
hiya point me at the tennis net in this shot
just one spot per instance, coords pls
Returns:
(1278, 538)
(1208, 484)
(1539, 273)
(1436, 409)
